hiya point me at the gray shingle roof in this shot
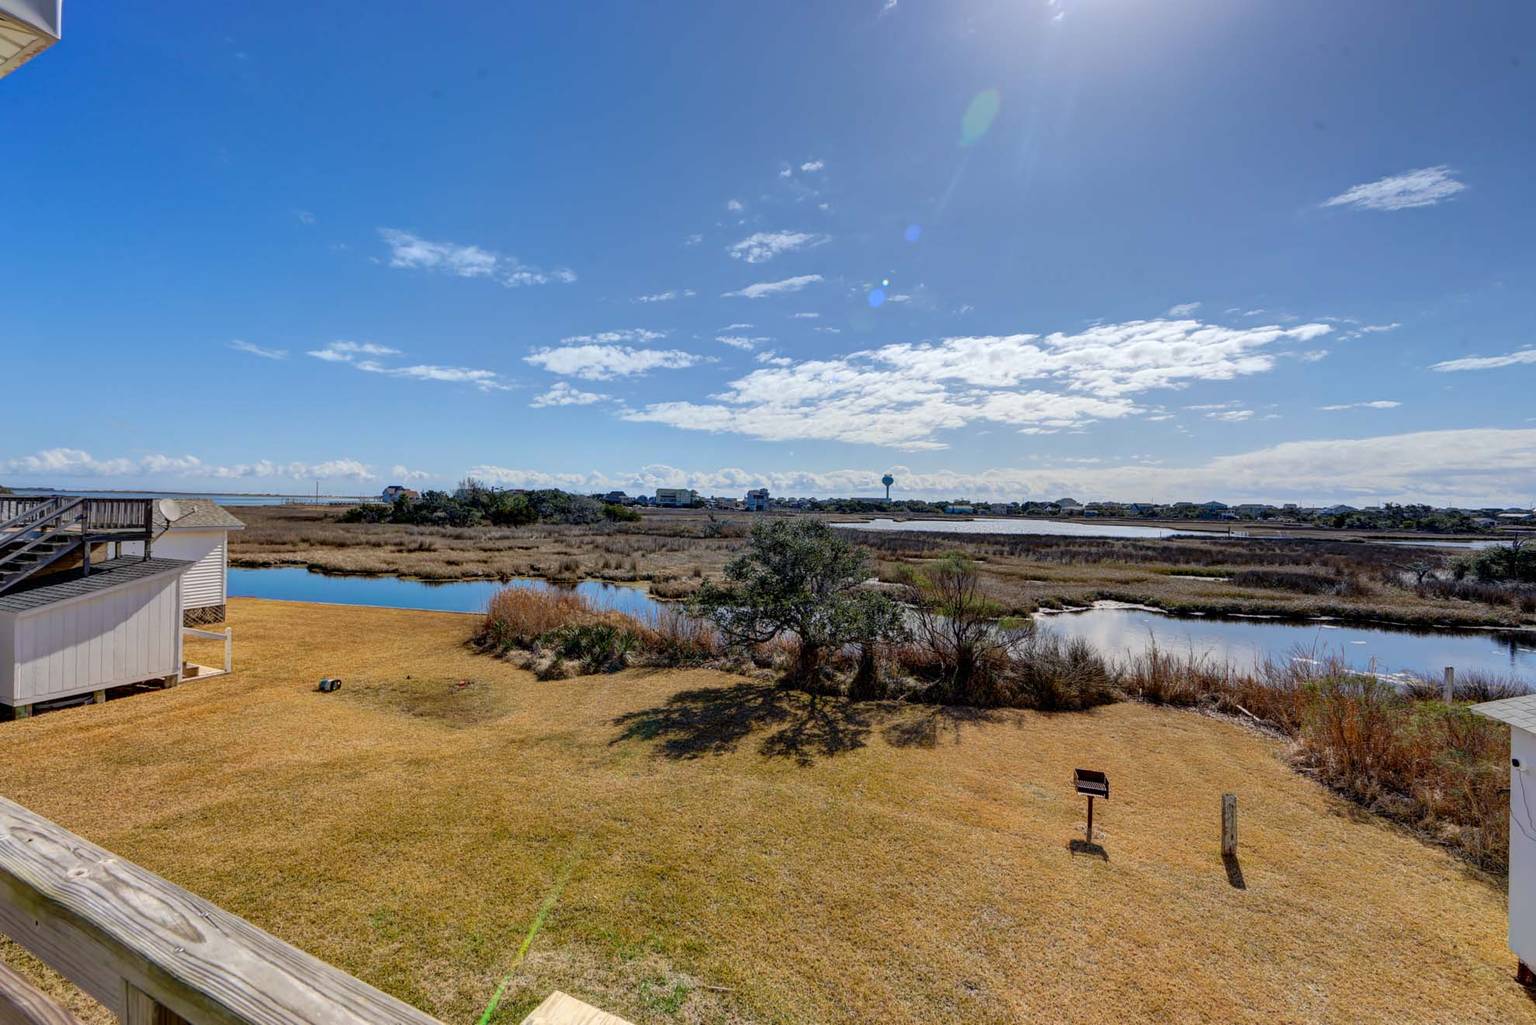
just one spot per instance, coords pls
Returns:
(200, 514)
(104, 576)
(1519, 711)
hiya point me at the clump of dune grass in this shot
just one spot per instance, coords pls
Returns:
(519, 617)
(673, 638)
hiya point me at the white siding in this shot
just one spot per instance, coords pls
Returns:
(123, 635)
(1522, 846)
(205, 582)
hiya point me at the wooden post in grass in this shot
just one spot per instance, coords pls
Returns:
(1229, 825)
(1450, 684)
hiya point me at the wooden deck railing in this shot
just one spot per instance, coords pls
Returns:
(155, 954)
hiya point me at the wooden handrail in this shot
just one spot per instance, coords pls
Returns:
(25, 509)
(153, 953)
(22, 1003)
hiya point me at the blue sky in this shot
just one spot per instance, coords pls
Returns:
(1109, 248)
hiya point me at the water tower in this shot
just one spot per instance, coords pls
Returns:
(887, 480)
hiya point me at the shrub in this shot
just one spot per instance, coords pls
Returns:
(796, 576)
(603, 646)
(1513, 563)
(956, 622)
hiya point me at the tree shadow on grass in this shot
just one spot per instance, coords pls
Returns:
(789, 723)
(716, 720)
(927, 725)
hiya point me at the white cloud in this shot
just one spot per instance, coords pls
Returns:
(740, 341)
(804, 316)
(411, 252)
(1423, 187)
(786, 171)
(73, 462)
(693, 240)
(773, 359)
(765, 245)
(350, 353)
(402, 473)
(764, 289)
(904, 394)
(667, 296)
(601, 362)
(1230, 416)
(257, 350)
(1183, 309)
(1486, 362)
(304, 216)
(624, 334)
(811, 166)
(735, 206)
(1475, 467)
(346, 352)
(562, 394)
(737, 327)
(1374, 404)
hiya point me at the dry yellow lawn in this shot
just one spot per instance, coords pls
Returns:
(736, 854)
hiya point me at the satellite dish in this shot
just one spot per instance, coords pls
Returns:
(170, 509)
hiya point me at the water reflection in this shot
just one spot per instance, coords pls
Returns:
(1119, 633)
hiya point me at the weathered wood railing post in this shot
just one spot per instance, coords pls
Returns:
(1229, 825)
(1450, 684)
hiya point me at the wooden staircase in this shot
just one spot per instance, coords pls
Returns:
(36, 533)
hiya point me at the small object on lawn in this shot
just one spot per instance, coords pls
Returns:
(329, 685)
(1093, 783)
(1229, 825)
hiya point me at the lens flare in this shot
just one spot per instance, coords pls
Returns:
(914, 232)
(978, 116)
(876, 297)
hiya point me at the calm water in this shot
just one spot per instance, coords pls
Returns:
(1015, 525)
(1118, 633)
(1114, 632)
(293, 583)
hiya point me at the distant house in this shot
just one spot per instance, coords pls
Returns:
(395, 491)
(757, 500)
(675, 498)
(1070, 507)
(959, 510)
(200, 535)
(616, 498)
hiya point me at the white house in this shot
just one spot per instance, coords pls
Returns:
(1520, 714)
(66, 634)
(200, 535)
(757, 500)
(675, 497)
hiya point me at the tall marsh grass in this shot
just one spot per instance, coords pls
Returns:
(1399, 750)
